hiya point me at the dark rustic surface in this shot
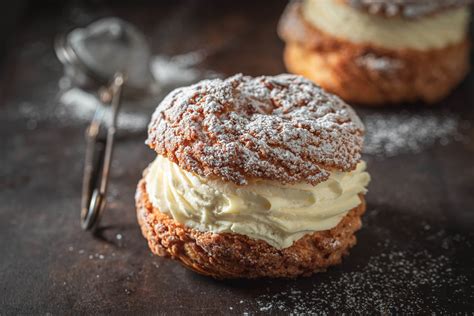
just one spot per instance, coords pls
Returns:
(415, 252)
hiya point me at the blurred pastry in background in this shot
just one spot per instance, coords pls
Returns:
(254, 177)
(379, 52)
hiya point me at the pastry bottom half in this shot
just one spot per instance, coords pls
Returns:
(428, 77)
(229, 255)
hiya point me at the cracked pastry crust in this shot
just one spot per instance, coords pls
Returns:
(282, 128)
(228, 255)
(367, 74)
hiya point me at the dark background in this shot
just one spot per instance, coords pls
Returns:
(414, 253)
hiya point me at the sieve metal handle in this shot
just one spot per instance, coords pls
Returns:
(99, 152)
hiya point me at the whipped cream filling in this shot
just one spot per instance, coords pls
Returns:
(267, 210)
(347, 23)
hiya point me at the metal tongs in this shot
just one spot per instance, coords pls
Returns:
(99, 150)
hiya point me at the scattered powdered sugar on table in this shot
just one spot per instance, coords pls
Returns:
(180, 70)
(391, 134)
(81, 105)
(389, 283)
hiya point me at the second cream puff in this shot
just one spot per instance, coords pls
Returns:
(389, 52)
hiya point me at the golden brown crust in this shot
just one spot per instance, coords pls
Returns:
(364, 73)
(236, 256)
(282, 128)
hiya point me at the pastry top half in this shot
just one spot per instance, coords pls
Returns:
(345, 21)
(282, 128)
(272, 158)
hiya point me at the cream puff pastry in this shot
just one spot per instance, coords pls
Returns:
(378, 52)
(254, 177)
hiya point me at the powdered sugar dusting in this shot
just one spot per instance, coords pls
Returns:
(179, 70)
(391, 134)
(389, 283)
(283, 128)
(379, 63)
(82, 106)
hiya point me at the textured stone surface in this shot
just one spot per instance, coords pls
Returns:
(415, 247)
